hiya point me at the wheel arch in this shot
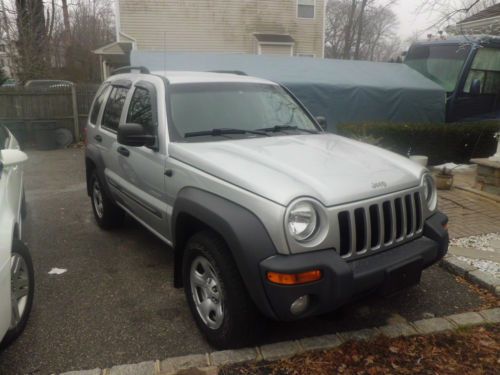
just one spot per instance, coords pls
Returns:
(244, 234)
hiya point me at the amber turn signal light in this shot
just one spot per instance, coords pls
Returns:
(294, 278)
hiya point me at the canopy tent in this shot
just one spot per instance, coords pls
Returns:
(342, 91)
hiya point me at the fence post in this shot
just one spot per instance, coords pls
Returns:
(75, 114)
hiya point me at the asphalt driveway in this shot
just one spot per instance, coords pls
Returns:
(116, 303)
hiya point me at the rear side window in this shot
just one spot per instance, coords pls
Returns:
(141, 110)
(113, 110)
(94, 113)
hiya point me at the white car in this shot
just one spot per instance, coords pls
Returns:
(16, 268)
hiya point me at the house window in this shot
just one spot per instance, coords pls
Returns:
(306, 55)
(305, 8)
(2, 48)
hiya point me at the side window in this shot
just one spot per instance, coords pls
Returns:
(141, 110)
(94, 113)
(113, 109)
(486, 69)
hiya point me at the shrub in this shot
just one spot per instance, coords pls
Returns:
(453, 142)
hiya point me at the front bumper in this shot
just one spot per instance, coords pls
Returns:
(345, 281)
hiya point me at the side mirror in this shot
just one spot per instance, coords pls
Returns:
(475, 87)
(11, 157)
(321, 120)
(134, 135)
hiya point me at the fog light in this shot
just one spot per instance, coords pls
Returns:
(299, 305)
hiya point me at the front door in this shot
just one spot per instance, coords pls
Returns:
(142, 169)
(485, 68)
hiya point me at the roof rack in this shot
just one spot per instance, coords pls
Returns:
(237, 72)
(129, 69)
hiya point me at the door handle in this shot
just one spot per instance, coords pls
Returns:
(123, 151)
(98, 138)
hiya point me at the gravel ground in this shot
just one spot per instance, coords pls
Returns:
(487, 266)
(487, 242)
(482, 242)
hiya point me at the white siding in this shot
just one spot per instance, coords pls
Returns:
(218, 25)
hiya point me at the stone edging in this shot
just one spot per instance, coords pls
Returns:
(471, 273)
(209, 363)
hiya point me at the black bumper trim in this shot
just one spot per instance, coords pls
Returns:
(344, 281)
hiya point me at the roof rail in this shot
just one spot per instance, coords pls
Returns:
(237, 72)
(128, 69)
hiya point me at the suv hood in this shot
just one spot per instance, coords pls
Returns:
(333, 169)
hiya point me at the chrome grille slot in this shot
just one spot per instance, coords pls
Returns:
(379, 225)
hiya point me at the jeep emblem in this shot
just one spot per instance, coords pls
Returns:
(379, 185)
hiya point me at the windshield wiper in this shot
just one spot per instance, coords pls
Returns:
(280, 128)
(224, 131)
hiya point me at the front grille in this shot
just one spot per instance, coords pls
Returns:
(379, 225)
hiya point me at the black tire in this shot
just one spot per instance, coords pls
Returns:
(19, 248)
(242, 324)
(109, 216)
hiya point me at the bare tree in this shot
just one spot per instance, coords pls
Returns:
(449, 12)
(55, 38)
(366, 34)
(32, 38)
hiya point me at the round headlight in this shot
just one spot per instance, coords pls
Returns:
(302, 221)
(430, 194)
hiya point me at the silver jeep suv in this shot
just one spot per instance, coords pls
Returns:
(266, 213)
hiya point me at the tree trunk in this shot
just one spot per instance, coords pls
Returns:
(32, 38)
(348, 32)
(67, 28)
(360, 29)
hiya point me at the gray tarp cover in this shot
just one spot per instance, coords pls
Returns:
(342, 91)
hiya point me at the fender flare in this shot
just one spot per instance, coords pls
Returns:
(245, 235)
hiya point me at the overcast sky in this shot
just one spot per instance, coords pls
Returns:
(412, 21)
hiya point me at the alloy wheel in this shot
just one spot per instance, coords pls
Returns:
(207, 293)
(20, 281)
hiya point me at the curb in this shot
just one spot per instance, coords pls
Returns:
(209, 363)
(471, 274)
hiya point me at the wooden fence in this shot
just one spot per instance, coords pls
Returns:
(24, 108)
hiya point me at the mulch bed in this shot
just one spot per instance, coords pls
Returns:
(466, 351)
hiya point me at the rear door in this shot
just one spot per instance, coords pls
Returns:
(11, 182)
(141, 169)
(5, 239)
(108, 145)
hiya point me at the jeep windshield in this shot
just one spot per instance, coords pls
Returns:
(203, 112)
(440, 63)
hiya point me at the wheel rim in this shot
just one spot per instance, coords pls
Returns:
(206, 292)
(20, 287)
(97, 199)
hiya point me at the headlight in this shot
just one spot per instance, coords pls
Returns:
(430, 193)
(302, 220)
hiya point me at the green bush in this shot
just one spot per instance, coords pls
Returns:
(453, 142)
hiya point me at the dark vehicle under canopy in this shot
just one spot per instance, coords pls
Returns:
(468, 69)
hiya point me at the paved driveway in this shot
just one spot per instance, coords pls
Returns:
(116, 304)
